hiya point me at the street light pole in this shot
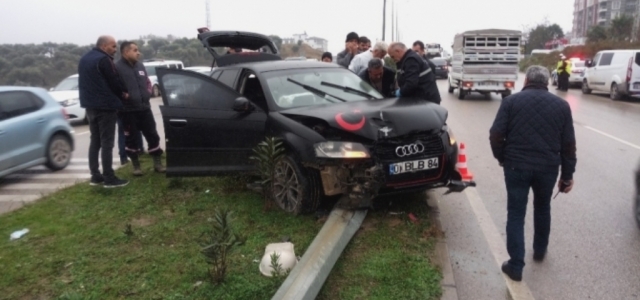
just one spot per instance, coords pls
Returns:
(384, 17)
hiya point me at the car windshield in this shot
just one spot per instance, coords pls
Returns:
(296, 88)
(578, 64)
(67, 84)
(439, 62)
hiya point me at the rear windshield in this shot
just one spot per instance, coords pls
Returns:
(578, 64)
(439, 62)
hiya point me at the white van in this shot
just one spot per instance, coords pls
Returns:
(150, 66)
(616, 72)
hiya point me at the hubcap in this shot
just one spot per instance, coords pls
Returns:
(155, 90)
(60, 152)
(614, 91)
(287, 190)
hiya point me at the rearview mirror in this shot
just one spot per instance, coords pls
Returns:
(243, 104)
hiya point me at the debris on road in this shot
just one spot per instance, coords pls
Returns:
(18, 234)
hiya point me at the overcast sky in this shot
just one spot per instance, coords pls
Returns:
(82, 21)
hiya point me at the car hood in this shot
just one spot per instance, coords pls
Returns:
(377, 119)
(64, 95)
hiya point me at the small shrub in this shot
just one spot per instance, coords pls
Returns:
(218, 243)
(267, 155)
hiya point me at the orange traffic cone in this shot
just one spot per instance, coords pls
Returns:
(462, 164)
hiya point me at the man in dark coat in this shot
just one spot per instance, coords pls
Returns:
(532, 137)
(380, 77)
(415, 78)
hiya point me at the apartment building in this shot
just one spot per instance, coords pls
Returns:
(588, 13)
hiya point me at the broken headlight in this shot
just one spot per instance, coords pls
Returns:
(341, 150)
(452, 139)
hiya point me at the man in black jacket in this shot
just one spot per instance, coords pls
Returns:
(531, 137)
(352, 47)
(418, 47)
(101, 94)
(136, 114)
(380, 77)
(415, 77)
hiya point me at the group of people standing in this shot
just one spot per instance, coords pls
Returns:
(415, 75)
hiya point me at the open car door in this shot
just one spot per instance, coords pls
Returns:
(210, 128)
(263, 48)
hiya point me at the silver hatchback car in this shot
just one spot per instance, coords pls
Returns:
(34, 130)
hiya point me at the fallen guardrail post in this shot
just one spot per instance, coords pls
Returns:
(308, 276)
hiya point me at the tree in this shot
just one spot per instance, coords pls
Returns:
(156, 44)
(541, 34)
(277, 41)
(621, 28)
(597, 33)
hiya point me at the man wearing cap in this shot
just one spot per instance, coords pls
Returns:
(351, 50)
(415, 77)
(563, 71)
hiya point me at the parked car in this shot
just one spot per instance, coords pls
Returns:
(201, 69)
(442, 67)
(341, 137)
(67, 94)
(33, 130)
(616, 72)
(151, 64)
(576, 77)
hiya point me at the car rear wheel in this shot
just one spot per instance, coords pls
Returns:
(58, 152)
(296, 189)
(156, 90)
(585, 88)
(450, 87)
(462, 93)
(615, 93)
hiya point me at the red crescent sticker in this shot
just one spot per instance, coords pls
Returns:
(348, 126)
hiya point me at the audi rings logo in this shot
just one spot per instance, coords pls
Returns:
(410, 149)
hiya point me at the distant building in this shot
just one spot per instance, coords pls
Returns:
(313, 42)
(589, 13)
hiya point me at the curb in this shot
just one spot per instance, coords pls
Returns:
(448, 282)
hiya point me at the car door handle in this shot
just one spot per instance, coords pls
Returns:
(178, 122)
(40, 120)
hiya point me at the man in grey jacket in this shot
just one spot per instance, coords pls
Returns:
(136, 113)
(351, 50)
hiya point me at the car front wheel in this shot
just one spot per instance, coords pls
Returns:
(585, 88)
(296, 190)
(58, 152)
(156, 90)
(615, 93)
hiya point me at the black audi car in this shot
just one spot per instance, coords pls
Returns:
(341, 136)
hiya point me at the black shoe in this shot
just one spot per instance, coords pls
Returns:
(124, 161)
(96, 180)
(115, 182)
(506, 268)
(539, 256)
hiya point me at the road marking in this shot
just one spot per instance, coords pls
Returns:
(612, 137)
(518, 290)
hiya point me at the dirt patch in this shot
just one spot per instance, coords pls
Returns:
(394, 221)
(142, 222)
(433, 232)
(369, 224)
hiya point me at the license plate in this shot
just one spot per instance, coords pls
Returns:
(636, 86)
(414, 166)
(488, 83)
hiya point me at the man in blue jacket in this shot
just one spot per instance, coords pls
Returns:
(136, 114)
(101, 94)
(532, 137)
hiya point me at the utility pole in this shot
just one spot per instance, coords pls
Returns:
(208, 13)
(393, 22)
(384, 17)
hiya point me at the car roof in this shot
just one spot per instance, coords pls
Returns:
(267, 66)
(155, 62)
(7, 88)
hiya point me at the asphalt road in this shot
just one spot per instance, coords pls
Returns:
(594, 250)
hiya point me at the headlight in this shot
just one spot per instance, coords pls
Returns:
(69, 102)
(452, 139)
(341, 150)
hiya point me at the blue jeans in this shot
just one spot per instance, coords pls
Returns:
(518, 184)
(121, 140)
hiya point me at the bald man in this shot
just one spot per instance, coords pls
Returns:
(415, 77)
(102, 93)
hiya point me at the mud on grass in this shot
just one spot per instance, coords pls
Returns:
(78, 246)
(389, 257)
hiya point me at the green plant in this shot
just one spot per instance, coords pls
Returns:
(267, 155)
(218, 243)
(128, 231)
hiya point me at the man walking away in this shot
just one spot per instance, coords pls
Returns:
(380, 77)
(563, 71)
(361, 61)
(531, 137)
(136, 114)
(101, 94)
(351, 50)
(415, 77)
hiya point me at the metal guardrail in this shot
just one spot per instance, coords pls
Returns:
(308, 276)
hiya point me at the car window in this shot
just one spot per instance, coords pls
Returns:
(228, 77)
(578, 64)
(151, 70)
(288, 94)
(216, 74)
(192, 90)
(606, 59)
(596, 59)
(68, 84)
(13, 104)
(439, 62)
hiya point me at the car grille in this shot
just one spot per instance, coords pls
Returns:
(386, 150)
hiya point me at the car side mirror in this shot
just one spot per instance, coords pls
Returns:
(588, 63)
(243, 104)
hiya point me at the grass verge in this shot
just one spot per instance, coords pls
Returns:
(77, 247)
